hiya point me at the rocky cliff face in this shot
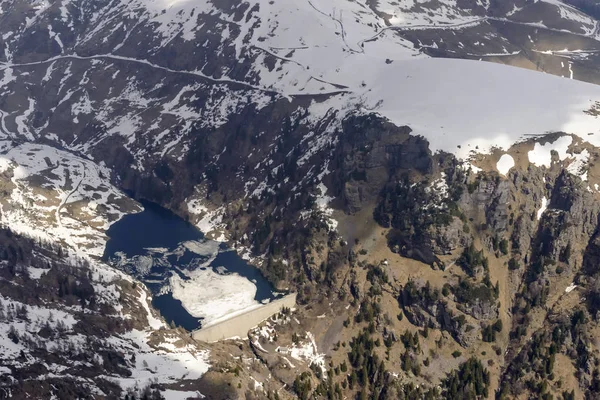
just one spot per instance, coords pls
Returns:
(536, 227)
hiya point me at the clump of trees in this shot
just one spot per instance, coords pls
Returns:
(488, 333)
(369, 309)
(368, 371)
(472, 259)
(412, 294)
(302, 385)
(405, 206)
(149, 392)
(470, 381)
(467, 292)
(533, 370)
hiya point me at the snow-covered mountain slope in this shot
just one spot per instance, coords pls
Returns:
(56, 208)
(55, 196)
(157, 90)
(467, 106)
(70, 327)
(238, 57)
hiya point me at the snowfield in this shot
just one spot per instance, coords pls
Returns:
(463, 106)
(163, 361)
(460, 106)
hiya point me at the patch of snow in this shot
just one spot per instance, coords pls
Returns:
(570, 288)
(306, 352)
(153, 322)
(257, 385)
(505, 163)
(36, 273)
(170, 394)
(439, 187)
(257, 344)
(570, 70)
(322, 202)
(204, 248)
(541, 155)
(469, 166)
(543, 207)
(578, 166)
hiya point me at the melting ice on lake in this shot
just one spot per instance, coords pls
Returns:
(193, 280)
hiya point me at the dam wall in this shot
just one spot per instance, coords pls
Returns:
(239, 325)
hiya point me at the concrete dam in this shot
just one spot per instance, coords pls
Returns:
(239, 325)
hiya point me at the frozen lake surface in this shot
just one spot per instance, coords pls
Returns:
(194, 281)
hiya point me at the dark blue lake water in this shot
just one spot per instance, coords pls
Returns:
(162, 231)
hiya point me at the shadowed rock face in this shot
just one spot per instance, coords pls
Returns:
(373, 152)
